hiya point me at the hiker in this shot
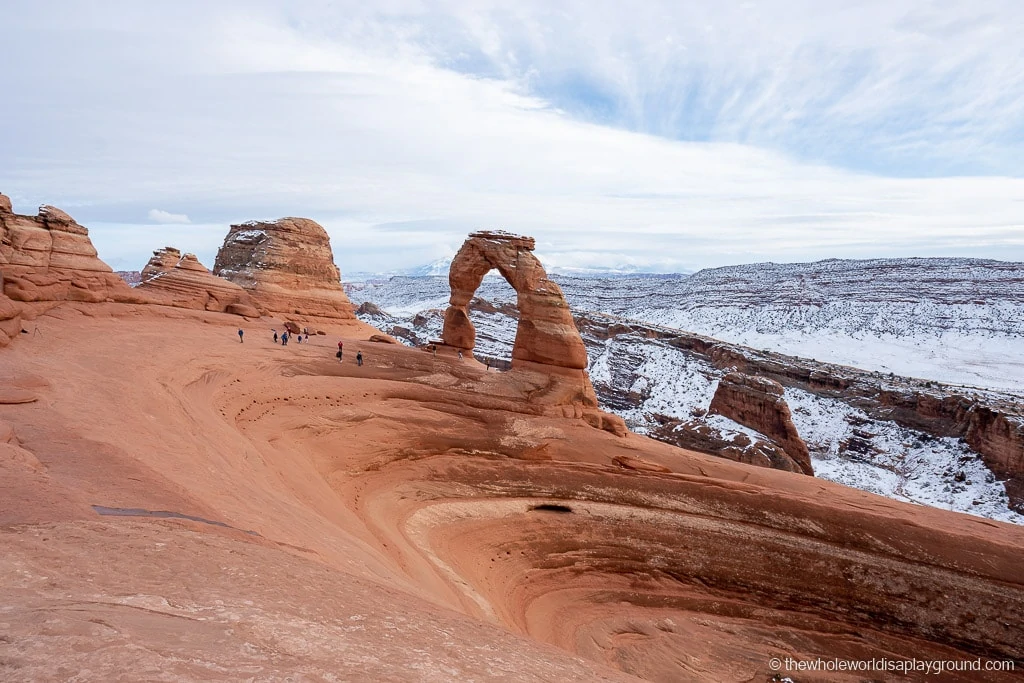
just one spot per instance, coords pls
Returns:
(284, 338)
(299, 340)
(433, 348)
(341, 348)
(305, 331)
(275, 336)
(359, 358)
(240, 333)
(460, 354)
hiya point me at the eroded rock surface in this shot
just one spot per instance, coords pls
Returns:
(546, 334)
(547, 341)
(49, 257)
(422, 514)
(286, 265)
(698, 435)
(758, 403)
(181, 280)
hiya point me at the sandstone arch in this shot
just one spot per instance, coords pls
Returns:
(546, 334)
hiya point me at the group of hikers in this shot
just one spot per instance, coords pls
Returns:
(341, 352)
(286, 335)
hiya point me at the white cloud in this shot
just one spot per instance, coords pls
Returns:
(166, 217)
(377, 124)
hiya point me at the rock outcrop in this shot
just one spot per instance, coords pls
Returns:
(698, 435)
(546, 334)
(181, 280)
(758, 403)
(10, 316)
(49, 257)
(286, 265)
(547, 343)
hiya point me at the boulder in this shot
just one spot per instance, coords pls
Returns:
(758, 403)
(286, 265)
(180, 280)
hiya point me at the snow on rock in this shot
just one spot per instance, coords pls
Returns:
(954, 320)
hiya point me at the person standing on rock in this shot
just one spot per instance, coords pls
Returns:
(240, 333)
(460, 354)
(341, 348)
(359, 358)
(284, 338)
(275, 336)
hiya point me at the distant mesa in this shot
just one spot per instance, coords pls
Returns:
(286, 266)
(181, 280)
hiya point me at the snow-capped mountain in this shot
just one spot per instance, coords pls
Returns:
(645, 372)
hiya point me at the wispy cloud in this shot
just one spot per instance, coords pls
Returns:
(166, 217)
(692, 134)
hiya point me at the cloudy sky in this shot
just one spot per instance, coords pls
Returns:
(661, 134)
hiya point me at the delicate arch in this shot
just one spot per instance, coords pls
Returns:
(546, 332)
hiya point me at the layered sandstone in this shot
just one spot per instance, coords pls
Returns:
(698, 435)
(181, 280)
(286, 265)
(546, 333)
(547, 343)
(178, 502)
(758, 403)
(10, 316)
(49, 257)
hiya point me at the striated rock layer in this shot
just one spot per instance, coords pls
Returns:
(286, 265)
(49, 257)
(213, 510)
(547, 342)
(181, 280)
(10, 316)
(758, 403)
(698, 435)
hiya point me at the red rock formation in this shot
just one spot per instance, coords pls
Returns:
(182, 281)
(286, 265)
(547, 342)
(697, 435)
(10, 312)
(758, 403)
(546, 334)
(49, 257)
